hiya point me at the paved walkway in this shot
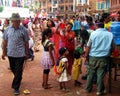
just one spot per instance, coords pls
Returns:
(32, 80)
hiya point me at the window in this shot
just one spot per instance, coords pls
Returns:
(80, 1)
(71, 7)
(85, 1)
(55, 2)
(71, 1)
(66, 7)
(44, 4)
(107, 4)
(61, 8)
(49, 1)
(61, 1)
(99, 5)
(102, 5)
(50, 9)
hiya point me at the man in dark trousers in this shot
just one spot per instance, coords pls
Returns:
(15, 40)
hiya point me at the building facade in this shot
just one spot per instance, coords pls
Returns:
(114, 5)
(65, 6)
(92, 7)
(103, 5)
(57, 7)
(82, 6)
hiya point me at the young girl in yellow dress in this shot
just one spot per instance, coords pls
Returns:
(76, 68)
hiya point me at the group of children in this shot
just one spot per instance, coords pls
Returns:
(61, 66)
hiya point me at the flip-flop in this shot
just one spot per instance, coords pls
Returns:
(26, 91)
(47, 87)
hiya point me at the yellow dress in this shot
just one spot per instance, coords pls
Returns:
(76, 68)
(107, 25)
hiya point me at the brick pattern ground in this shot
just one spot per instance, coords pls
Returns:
(32, 80)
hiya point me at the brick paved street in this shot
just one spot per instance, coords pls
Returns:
(32, 80)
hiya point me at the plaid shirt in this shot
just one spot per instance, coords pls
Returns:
(16, 39)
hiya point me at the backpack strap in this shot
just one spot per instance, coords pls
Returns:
(58, 61)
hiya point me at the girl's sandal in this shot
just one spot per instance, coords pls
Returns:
(66, 90)
(46, 87)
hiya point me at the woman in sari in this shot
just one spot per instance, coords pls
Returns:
(70, 45)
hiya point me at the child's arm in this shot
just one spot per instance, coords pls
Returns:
(51, 54)
(65, 65)
(80, 65)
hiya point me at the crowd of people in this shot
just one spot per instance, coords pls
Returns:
(67, 42)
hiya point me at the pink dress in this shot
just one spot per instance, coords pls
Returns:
(46, 61)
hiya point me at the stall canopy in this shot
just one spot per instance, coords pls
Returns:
(7, 12)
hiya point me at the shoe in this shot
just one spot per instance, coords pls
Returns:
(32, 58)
(66, 90)
(16, 92)
(84, 91)
(101, 93)
(84, 77)
(77, 83)
(46, 86)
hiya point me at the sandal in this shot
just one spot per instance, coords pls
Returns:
(66, 90)
(47, 87)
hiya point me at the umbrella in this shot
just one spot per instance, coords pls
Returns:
(113, 14)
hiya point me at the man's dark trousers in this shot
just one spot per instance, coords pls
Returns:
(16, 66)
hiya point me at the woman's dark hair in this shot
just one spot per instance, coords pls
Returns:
(118, 12)
(34, 21)
(100, 24)
(46, 32)
(84, 34)
(104, 16)
(70, 24)
(89, 18)
(53, 24)
(76, 54)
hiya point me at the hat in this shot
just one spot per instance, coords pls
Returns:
(15, 16)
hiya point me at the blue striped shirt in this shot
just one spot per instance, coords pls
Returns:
(16, 39)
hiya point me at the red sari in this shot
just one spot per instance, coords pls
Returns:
(70, 45)
(55, 40)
